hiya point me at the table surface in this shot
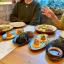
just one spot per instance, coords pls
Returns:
(23, 55)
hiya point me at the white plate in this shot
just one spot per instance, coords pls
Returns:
(42, 44)
(43, 27)
(17, 24)
(6, 27)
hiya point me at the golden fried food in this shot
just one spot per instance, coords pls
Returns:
(18, 31)
(0, 37)
(9, 35)
(36, 43)
(43, 38)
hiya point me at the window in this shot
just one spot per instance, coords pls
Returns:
(59, 4)
(43, 3)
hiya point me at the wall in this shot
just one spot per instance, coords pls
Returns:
(5, 11)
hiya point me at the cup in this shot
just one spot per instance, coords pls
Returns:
(55, 53)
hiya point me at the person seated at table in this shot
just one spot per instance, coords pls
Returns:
(27, 11)
(49, 13)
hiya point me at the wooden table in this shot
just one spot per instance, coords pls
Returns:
(1, 62)
(23, 55)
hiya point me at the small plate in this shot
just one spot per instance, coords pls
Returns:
(13, 32)
(42, 44)
(17, 24)
(44, 28)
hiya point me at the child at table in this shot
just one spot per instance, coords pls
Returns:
(27, 11)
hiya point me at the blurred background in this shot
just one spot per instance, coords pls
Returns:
(6, 7)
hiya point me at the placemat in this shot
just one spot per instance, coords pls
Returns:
(5, 48)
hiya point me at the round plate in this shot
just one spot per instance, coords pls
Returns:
(48, 29)
(17, 24)
(42, 44)
(6, 27)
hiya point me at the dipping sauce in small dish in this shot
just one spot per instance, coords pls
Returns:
(54, 53)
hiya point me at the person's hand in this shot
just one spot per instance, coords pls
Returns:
(48, 12)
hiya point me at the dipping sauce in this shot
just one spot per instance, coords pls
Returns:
(54, 52)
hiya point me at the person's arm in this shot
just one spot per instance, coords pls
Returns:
(62, 21)
(36, 16)
(14, 14)
(49, 13)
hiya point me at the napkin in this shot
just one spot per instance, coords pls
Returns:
(5, 48)
(29, 28)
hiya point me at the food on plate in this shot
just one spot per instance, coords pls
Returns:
(5, 27)
(41, 27)
(48, 30)
(36, 43)
(0, 37)
(9, 35)
(43, 38)
(18, 31)
(45, 28)
(17, 24)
